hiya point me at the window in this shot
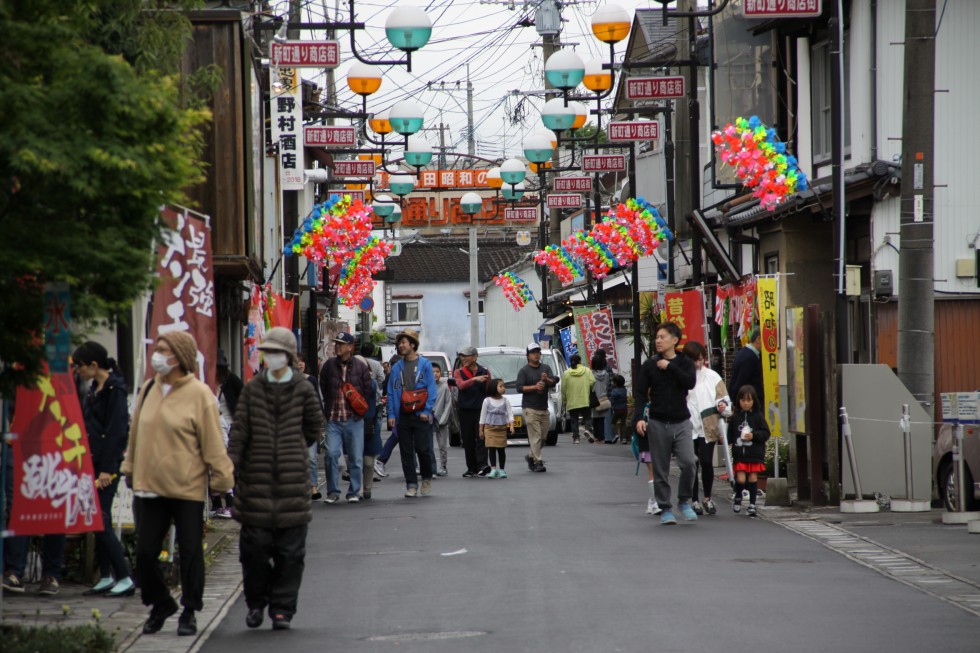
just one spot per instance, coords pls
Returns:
(408, 312)
(469, 307)
(772, 263)
(821, 68)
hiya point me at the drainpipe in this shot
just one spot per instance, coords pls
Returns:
(874, 80)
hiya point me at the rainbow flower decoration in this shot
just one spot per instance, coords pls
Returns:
(760, 161)
(515, 289)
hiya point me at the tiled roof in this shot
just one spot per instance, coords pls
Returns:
(448, 260)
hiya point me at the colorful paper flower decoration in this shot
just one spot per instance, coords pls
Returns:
(760, 161)
(515, 289)
(628, 232)
(356, 281)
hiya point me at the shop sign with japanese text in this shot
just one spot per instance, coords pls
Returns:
(604, 163)
(54, 482)
(781, 8)
(287, 125)
(306, 54)
(330, 136)
(768, 296)
(634, 130)
(596, 331)
(564, 201)
(447, 179)
(685, 308)
(184, 297)
(655, 88)
(521, 214)
(573, 184)
(353, 169)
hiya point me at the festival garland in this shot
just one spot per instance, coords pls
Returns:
(760, 161)
(515, 289)
(629, 231)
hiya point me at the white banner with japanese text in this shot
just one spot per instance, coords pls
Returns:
(286, 107)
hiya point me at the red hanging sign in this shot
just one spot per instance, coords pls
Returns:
(685, 308)
(54, 483)
(596, 331)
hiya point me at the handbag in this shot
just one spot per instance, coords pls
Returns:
(413, 400)
(357, 402)
(604, 404)
(593, 399)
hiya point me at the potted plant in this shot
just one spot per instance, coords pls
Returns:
(771, 445)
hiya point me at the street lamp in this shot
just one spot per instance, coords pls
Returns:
(548, 134)
(494, 180)
(557, 116)
(383, 207)
(380, 124)
(513, 192)
(363, 79)
(537, 148)
(471, 204)
(401, 184)
(564, 69)
(418, 152)
(408, 28)
(512, 171)
(597, 79)
(406, 117)
(581, 114)
(611, 23)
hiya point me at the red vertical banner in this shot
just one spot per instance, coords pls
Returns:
(282, 311)
(54, 483)
(596, 331)
(184, 298)
(685, 308)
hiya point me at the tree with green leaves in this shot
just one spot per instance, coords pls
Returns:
(99, 131)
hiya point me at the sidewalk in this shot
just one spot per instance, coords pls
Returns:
(123, 618)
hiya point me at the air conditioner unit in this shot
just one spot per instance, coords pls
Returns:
(624, 325)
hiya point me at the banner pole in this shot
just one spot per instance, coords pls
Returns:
(3, 483)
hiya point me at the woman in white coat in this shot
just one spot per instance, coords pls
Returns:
(708, 404)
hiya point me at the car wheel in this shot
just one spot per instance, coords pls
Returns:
(947, 488)
(552, 438)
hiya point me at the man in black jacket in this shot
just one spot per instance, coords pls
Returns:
(665, 379)
(747, 368)
(345, 428)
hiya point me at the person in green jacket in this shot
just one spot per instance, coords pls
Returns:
(576, 383)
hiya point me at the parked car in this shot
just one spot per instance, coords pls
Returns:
(943, 467)
(505, 363)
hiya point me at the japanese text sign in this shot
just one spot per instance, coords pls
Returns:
(572, 184)
(564, 201)
(655, 88)
(685, 308)
(308, 54)
(634, 130)
(329, 136)
(768, 297)
(596, 331)
(604, 162)
(54, 483)
(521, 214)
(287, 123)
(781, 8)
(568, 343)
(184, 298)
(354, 169)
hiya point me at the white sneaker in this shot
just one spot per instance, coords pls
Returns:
(653, 508)
(379, 469)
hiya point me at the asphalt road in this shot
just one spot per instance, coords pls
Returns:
(568, 561)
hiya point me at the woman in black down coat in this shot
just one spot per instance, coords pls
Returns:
(277, 419)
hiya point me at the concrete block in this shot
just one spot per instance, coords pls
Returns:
(960, 518)
(911, 505)
(973, 527)
(777, 492)
(859, 506)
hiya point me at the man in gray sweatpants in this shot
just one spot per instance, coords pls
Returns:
(666, 379)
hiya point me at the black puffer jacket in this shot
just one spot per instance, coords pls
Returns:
(275, 424)
(106, 415)
(754, 451)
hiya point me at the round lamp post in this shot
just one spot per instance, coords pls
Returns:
(363, 79)
(548, 134)
(401, 185)
(471, 203)
(384, 207)
(581, 114)
(418, 152)
(564, 69)
(494, 180)
(556, 116)
(597, 79)
(513, 171)
(513, 192)
(611, 23)
(406, 117)
(380, 124)
(408, 28)
(537, 148)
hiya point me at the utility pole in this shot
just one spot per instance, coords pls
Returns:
(685, 133)
(916, 317)
(837, 101)
(290, 198)
(470, 136)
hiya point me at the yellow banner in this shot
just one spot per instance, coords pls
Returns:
(768, 297)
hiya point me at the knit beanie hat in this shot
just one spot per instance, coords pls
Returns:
(184, 347)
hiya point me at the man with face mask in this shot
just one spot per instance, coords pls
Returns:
(345, 428)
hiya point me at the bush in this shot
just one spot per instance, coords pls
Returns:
(771, 444)
(56, 639)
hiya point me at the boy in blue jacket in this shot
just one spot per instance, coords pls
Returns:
(412, 395)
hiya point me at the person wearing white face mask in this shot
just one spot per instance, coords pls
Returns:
(174, 440)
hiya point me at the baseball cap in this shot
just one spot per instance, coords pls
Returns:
(345, 338)
(468, 351)
(532, 347)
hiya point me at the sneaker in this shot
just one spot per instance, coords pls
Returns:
(353, 499)
(483, 473)
(187, 623)
(411, 492)
(589, 436)
(493, 474)
(576, 441)
(530, 462)
(539, 467)
(158, 615)
(652, 507)
(366, 495)
(426, 487)
(280, 622)
(223, 513)
(750, 511)
(687, 512)
(49, 586)
(12, 584)
(442, 472)
(667, 518)
(696, 507)
(737, 507)
(379, 469)
(501, 473)
(332, 498)
(469, 474)
(709, 507)
(254, 618)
